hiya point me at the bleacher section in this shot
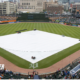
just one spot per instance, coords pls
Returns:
(74, 70)
(54, 18)
(72, 20)
(64, 73)
(3, 19)
(8, 18)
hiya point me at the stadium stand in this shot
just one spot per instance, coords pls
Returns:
(3, 19)
(8, 18)
(64, 73)
(72, 20)
(6, 74)
(74, 70)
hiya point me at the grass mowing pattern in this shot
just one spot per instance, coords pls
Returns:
(14, 59)
(58, 56)
(48, 27)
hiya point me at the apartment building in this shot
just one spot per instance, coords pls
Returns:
(7, 8)
(55, 9)
(30, 6)
(51, 2)
(75, 8)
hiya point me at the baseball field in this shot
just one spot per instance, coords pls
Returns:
(59, 29)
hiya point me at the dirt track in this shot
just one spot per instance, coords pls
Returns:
(53, 68)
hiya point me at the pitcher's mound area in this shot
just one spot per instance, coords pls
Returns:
(35, 43)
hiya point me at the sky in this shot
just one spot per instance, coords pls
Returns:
(3, 0)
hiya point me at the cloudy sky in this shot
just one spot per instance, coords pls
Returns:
(3, 0)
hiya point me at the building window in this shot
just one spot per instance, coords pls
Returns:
(22, 3)
(25, 3)
(39, 4)
(29, 3)
(4, 8)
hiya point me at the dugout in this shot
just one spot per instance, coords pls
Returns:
(32, 17)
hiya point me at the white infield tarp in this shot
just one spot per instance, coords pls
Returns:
(35, 43)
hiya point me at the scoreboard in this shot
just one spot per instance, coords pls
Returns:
(32, 16)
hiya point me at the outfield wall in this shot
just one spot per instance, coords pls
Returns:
(32, 17)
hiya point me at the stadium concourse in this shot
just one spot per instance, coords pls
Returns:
(12, 71)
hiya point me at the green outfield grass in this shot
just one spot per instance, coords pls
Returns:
(48, 27)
